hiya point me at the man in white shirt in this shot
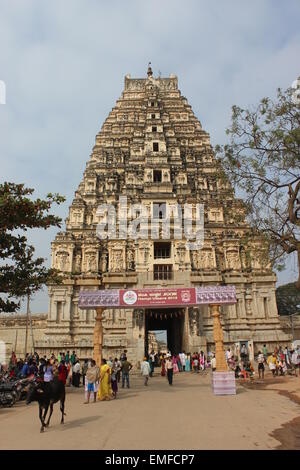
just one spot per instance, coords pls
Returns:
(296, 361)
(76, 374)
(213, 363)
(145, 370)
(182, 357)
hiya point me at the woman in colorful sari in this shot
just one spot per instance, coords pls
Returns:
(202, 360)
(179, 363)
(105, 392)
(175, 366)
(163, 367)
(188, 363)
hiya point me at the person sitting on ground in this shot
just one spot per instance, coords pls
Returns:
(237, 371)
(249, 369)
(195, 364)
(243, 372)
(282, 369)
(231, 363)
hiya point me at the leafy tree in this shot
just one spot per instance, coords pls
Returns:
(288, 299)
(262, 161)
(20, 273)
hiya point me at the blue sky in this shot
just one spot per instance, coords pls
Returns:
(64, 64)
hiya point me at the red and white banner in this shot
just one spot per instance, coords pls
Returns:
(170, 297)
(159, 297)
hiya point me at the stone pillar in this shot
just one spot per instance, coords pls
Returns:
(98, 337)
(219, 339)
(185, 339)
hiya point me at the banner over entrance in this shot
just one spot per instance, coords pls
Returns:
(170, 297)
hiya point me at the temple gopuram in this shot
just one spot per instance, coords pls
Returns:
(153, 151)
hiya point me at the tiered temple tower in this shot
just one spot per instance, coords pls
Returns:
(153, 150)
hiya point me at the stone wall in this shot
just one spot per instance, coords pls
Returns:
(286, 325)
(13, 332)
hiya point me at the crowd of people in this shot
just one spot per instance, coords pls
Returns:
(281, 361)
(65, 366)
(99, 382)
(103, 382)
(186, 362)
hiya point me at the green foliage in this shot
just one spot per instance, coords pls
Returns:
(288, 299)
(262, 161)
(20, 273)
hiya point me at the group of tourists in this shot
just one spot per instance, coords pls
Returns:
(103, 381)
(183, 362)
(280, 362)
(65, 366)
(172, 364)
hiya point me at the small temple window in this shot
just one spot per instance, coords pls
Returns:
(153, 116)
(162, 272)
(152, 103)
(155, 147)
(154, 129)
(157, 176)
(162, 250)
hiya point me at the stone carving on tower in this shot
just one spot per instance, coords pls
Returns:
(152, 149)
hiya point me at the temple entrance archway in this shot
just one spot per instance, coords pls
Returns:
(169, 319)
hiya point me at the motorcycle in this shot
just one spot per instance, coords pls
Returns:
(12, 391)
(8, 394)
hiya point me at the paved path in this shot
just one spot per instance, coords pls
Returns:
(185, 416)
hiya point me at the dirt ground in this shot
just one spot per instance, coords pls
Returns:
(185, 416)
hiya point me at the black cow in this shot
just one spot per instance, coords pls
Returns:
(46, 394)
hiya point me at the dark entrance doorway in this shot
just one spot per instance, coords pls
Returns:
(171, 320)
